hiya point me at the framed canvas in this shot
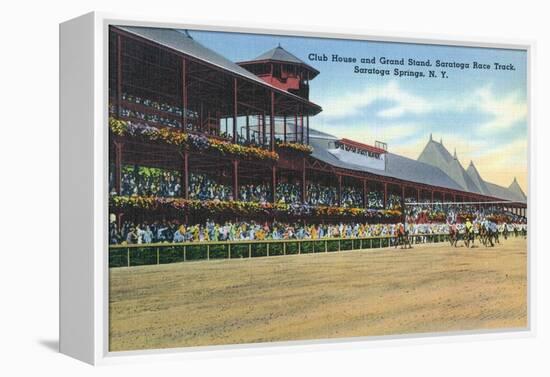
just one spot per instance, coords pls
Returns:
(231, 190)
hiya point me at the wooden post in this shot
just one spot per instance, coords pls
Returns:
(302, 126)
(207, 252)
(365, 194)
(235, 110)
(418, 195)
(263, 129)
(185, 175)
(249, 250)
(247, 128)
(304, 185)
(385, 194)
(272, 122)
(267, 245)
(118, 167)
(403, 197)
(296, 126)
(235, 180)
(284, 128)
(158, 255)
(128, 256)
(339, 190)
(307, 123)
(119, 75)
(184, 93)
(274, 183)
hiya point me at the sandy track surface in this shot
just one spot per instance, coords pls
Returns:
(428, 288)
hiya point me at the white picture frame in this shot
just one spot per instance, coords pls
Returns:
(83, 193)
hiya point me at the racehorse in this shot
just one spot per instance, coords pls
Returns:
(402, 237)
(453, 235)
(468, 236)
(486, 235)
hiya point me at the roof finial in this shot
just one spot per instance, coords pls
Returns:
(455, 155)
(431, 136)
(279, 45)
(187, 34)
(441, 141)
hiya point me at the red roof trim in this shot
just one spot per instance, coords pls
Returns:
(365, 147)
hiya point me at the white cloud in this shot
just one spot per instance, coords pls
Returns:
(402, 102)
(503, 109)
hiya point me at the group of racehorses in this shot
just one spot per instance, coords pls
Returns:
(486, 235)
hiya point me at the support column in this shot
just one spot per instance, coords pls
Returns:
(185, 176)
(432, 196)
(284, 128)
(302, 127)
(272, 123)
(235, 110)
(385, 194)
(247, 128)
(184, 93)
(296, 126)
(403, 197)
(118, 167)
(263, 129)
(235, 180)
(304, 184)
(339, 190)
(418, 195)
(365, 194)
(119, 76)
(274, 184)
(307, 123)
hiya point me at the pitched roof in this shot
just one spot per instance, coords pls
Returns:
(504, 193)
(516, 188)
(182, 42)
(279, 54)
(476, 178)
(437, 155)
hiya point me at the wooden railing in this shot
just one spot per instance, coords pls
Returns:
(163, 253)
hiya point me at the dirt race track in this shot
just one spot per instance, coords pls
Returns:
(317, 296)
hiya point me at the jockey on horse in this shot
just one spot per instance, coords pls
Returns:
(402, 236)
(453, 234)
(468, 233)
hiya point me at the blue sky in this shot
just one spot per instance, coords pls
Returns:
(481, 113)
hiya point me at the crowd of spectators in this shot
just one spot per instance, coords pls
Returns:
(172, 231)
(375, 199)
(320, 195)
(255, 193)
(146, 181)
(202, 187)
(352, 197)
(289, 193)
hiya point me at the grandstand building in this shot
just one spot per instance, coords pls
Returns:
(201, 119)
